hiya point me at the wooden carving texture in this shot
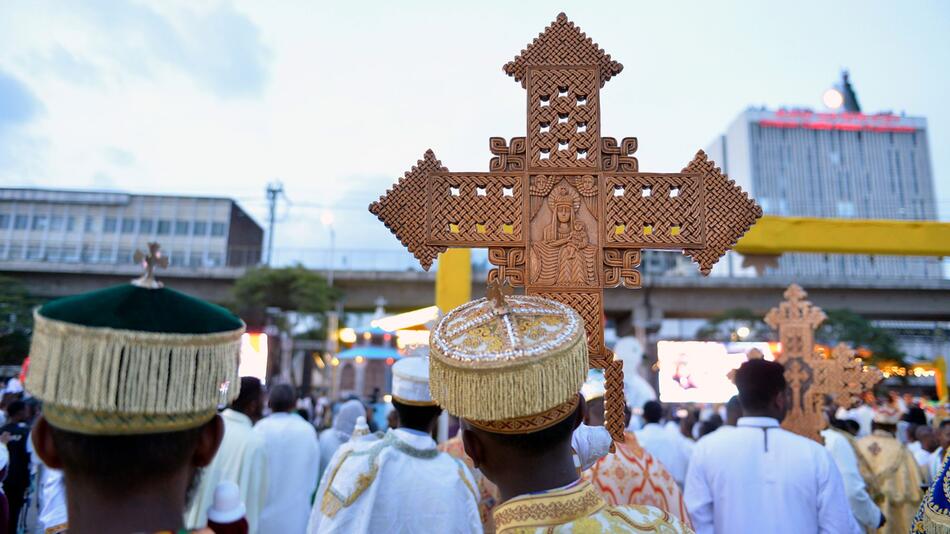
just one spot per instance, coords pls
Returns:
(810, 376)
(562, 210)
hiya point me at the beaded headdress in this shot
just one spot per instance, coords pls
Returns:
(509, 364)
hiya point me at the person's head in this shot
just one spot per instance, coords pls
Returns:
(417, 417)
(915, 416)
(17, 412)
(281, 398)
(652, 411)
(594, 415)
(392, 419)
(710, 425)
(495, 453)
(345, 420)
(116, 466)
(761, 385)
(927, 438)
(733, 411)
(250, 401)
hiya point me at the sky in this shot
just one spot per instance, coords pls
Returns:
(338, 99)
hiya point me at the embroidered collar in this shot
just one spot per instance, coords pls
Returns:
(415, 444)
(549, 508)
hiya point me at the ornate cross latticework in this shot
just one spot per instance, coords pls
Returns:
(810, 375)
(565, 212)
(150, 261)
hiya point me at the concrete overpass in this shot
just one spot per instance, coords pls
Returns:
(673, 296)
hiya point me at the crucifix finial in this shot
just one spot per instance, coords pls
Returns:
(149, 261)
(497, 291)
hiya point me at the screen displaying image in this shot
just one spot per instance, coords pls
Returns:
(700, 371)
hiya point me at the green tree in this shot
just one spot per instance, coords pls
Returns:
(16, 321)
(845, 326)
(295, 289)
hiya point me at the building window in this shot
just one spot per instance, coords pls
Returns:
(109, 225)
(214, 259)
(4, 221)
(40, 222)
(201, 228)
(33, 252)
(164, 227)
(181, 227)
(56, 223)
(125, 256)
(70, 223)
(20, 222)
(86, 256)
(217, 229)
(128, 226)
(107, 255)
(71, 253)
(145, 226)
(15, 252)
(196, 259)
(90, 224)
(53, 254)
(177, 259)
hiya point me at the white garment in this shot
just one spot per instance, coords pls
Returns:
(865, 512)
(761, 478)
(416, 488)
(293, 464)
(340, 432)
(52, 499)
(923, 458)
(667, 447)
(863, 415)
(590, 443)
(240, 459)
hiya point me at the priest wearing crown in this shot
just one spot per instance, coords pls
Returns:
(512, 369)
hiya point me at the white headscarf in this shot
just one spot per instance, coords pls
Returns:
(341, 430)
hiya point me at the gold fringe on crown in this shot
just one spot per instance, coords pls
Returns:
(96, 380)
(494, 393)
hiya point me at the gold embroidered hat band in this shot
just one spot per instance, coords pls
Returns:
(133, 359)
(509, 364)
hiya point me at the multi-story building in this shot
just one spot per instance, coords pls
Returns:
(839, 164)
(40, 225)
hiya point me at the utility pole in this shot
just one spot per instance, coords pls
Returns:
(274, 189)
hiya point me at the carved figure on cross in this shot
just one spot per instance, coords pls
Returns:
(812, 377)
(563, 211)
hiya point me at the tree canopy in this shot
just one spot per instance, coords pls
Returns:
(16, 321)
(288, 288)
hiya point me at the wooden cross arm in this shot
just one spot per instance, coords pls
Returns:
(403, 209)
(699, 211)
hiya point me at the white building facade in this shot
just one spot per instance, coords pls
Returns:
(839, 165)
(78, 227)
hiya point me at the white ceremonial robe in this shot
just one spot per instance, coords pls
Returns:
(240, 459)
(666, 447)
(762, 478)
(293, 466)
(399, 483)
(922, 457)
(865, 512)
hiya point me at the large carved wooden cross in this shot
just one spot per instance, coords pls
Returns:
(810, 375)
(565, 212)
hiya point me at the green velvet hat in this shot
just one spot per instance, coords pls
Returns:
(133, 359)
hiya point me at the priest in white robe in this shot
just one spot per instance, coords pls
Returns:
(293, 464)
(667, 447)
(400, 482)
(340, 431)
(760, 477)
(865, 512)
(240, 459)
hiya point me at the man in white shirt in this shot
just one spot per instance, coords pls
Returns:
(240, 459)
(760, 477)
(865, 512)
(400, 482)
(665, 446)
(293, 464)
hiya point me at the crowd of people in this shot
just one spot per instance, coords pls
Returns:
(137, 428)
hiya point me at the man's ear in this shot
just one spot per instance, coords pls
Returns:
(474, 447)
(208, 442)
(43, 444)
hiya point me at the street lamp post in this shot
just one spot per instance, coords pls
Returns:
(327, 219)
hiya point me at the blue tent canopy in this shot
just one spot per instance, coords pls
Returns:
(370, 352)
